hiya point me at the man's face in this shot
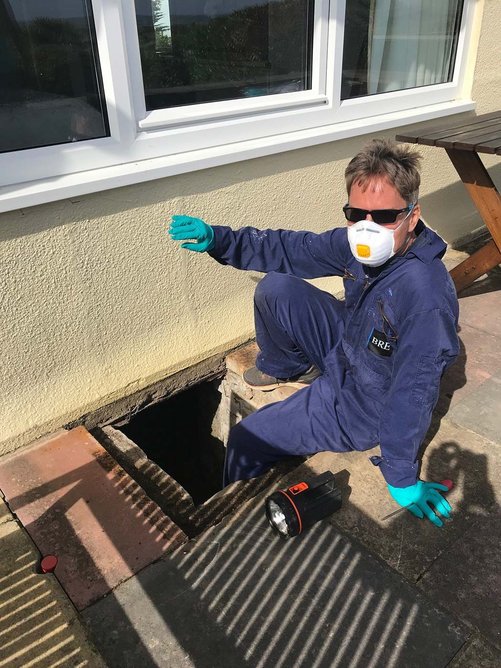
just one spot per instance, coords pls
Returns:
(380, 194)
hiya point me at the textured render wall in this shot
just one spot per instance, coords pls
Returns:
(96, 302)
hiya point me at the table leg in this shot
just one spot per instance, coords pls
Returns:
(486, 198)
(475, 266)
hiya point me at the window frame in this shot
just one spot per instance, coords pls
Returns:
(145, 145)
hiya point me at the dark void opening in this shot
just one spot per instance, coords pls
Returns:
(177, 435)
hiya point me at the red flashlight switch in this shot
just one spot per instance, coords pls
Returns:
(300, 487)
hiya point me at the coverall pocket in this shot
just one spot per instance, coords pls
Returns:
(371, 375)
(372, 379)
(427, 380)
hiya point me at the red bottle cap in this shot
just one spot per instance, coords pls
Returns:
(447, 483)
(48, 563)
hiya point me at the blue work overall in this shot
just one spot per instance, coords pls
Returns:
(381, 351)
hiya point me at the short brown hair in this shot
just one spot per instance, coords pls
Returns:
(385, 159)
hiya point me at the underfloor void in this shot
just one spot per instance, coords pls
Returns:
(177, 434)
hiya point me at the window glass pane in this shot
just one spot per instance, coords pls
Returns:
(397, 44)
(195, 51)
(50, 89)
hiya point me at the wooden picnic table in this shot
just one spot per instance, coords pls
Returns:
(463, 138)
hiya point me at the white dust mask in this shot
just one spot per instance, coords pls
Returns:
(372, 244)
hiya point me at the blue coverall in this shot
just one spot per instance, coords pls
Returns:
(381, 352)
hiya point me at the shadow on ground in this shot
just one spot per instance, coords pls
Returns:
(241, 596)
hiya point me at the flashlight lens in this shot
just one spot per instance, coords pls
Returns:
(277, 518)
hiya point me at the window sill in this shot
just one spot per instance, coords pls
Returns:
(32, 193)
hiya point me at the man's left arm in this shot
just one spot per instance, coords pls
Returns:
(427, 345)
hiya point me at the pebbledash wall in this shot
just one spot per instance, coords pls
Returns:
(97, 302)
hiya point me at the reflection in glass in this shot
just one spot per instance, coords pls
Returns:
(393, 45)
(50, 89)
(195, 51)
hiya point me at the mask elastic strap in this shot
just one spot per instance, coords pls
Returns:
(408, 236)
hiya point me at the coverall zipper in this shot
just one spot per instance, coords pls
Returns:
(392, 333)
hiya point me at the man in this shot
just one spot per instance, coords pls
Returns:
(371, 365)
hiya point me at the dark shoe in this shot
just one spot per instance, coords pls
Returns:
(262, 381)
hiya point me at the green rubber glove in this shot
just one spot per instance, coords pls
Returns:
(419, 498)
(186, 227)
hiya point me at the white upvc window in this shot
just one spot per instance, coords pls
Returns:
(104, 93)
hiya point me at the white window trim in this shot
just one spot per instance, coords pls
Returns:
(151, 145)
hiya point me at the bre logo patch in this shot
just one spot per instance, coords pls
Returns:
(379, 344)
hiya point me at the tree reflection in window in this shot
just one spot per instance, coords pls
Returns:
(204, 51)
(50, 87)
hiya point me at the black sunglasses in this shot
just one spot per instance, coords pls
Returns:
(379, 216)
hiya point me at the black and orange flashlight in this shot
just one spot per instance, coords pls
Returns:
(291, 510)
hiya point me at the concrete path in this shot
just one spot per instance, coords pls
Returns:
(38, 625)
(359, 589)
(240, 596)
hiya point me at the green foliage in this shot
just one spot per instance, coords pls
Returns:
(226, 48)
(246, 46)
(54, 56)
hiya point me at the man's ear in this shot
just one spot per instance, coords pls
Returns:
(414, 217)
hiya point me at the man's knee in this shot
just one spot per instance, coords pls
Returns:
(275, 285)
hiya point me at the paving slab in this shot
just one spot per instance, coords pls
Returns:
(38, 625)
(407, 544)
(480, 410)
(477, 653)
(76, 502)
(479, 308)
(466, 577)
(477, 362)
(471, 461)
(240, 596)
(5, 514)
